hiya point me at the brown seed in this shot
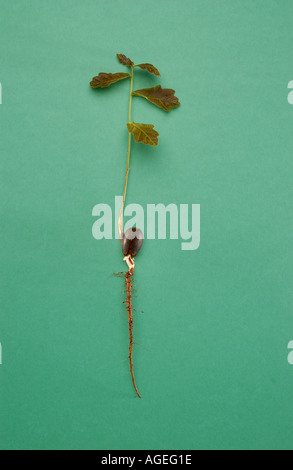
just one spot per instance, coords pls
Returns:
(132, 242)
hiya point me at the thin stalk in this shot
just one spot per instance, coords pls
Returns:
(127, 164)
(129, 274)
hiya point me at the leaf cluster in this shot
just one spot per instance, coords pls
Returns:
(163, 98)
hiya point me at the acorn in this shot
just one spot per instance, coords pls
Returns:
(132, 242)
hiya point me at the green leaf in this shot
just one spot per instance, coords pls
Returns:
(150, 68)
(144, 133)
(162, 97)
(106, 79)
(125, 60)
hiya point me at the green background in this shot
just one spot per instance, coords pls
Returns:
(213, 369)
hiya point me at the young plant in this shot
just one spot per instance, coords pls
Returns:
(132, 240)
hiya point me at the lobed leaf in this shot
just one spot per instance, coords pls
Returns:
(124, 60)
(162, 97)
(106, 79)
(144, 133)
(150, 68)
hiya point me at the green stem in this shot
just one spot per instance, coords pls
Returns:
(127, 164)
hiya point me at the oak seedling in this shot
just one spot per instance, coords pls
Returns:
(132, 240)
